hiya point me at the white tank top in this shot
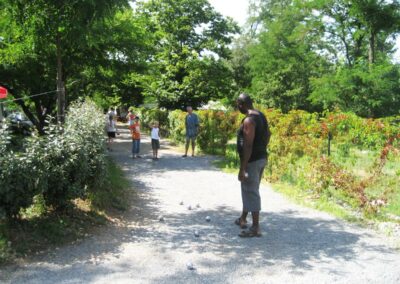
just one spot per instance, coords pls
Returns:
(154, 133)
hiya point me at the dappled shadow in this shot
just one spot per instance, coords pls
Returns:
(287, 238)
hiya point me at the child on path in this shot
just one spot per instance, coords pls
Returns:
(155, 139)
(135, 132)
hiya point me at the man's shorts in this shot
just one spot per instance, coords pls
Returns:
(251, 185)
(188, 138)
(155, 144)
(191, 134)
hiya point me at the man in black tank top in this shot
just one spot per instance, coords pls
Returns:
(253, 138)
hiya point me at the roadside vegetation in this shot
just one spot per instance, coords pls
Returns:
(59, 186)
(336, 161)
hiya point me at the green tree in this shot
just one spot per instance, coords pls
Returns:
(192, 43)
(369, 91)
(362, 33)
(44, 42)
(105, 52)
(239, 61)
(381, 20)
(286, 55)
(357, 28)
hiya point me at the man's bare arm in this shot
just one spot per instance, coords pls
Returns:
(248, 139)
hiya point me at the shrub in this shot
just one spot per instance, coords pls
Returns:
(75, 157)
(216, 128)
(64, 164)
(177, 126)
(20, 175)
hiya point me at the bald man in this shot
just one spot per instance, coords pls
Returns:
(252, 141)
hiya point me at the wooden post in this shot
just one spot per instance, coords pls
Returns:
(329, 143)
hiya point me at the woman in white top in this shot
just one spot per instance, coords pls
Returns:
(155, 140)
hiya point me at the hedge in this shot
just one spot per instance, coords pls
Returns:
(216, 129)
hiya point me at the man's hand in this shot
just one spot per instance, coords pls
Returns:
(242, 176)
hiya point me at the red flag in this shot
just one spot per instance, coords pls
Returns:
(3, 92)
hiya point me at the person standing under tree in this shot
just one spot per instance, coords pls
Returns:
(252, 141)
(111, 130)
(192, 127)
(135, 132)
(112, 111)
(155, 139)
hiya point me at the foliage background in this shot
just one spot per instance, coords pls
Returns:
(362, 170)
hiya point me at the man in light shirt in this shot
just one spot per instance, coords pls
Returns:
(192, 127)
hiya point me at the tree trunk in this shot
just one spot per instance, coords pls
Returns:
(60, 84)
(371, 50)
(31, 116)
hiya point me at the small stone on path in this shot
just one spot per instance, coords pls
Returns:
(190, 266)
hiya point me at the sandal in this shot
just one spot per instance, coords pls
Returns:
(241, 224)
(250, 233)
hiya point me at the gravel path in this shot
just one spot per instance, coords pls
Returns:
(299, 245)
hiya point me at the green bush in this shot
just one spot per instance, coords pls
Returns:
(66, 163)
(75, 156)
(20, 176)
(176, 129)
(216, 128)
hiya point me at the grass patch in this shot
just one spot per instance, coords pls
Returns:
(41, 229)
(113, 194)
(310, 199)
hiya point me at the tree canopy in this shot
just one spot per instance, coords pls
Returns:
(313, 55)
(326, 54)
